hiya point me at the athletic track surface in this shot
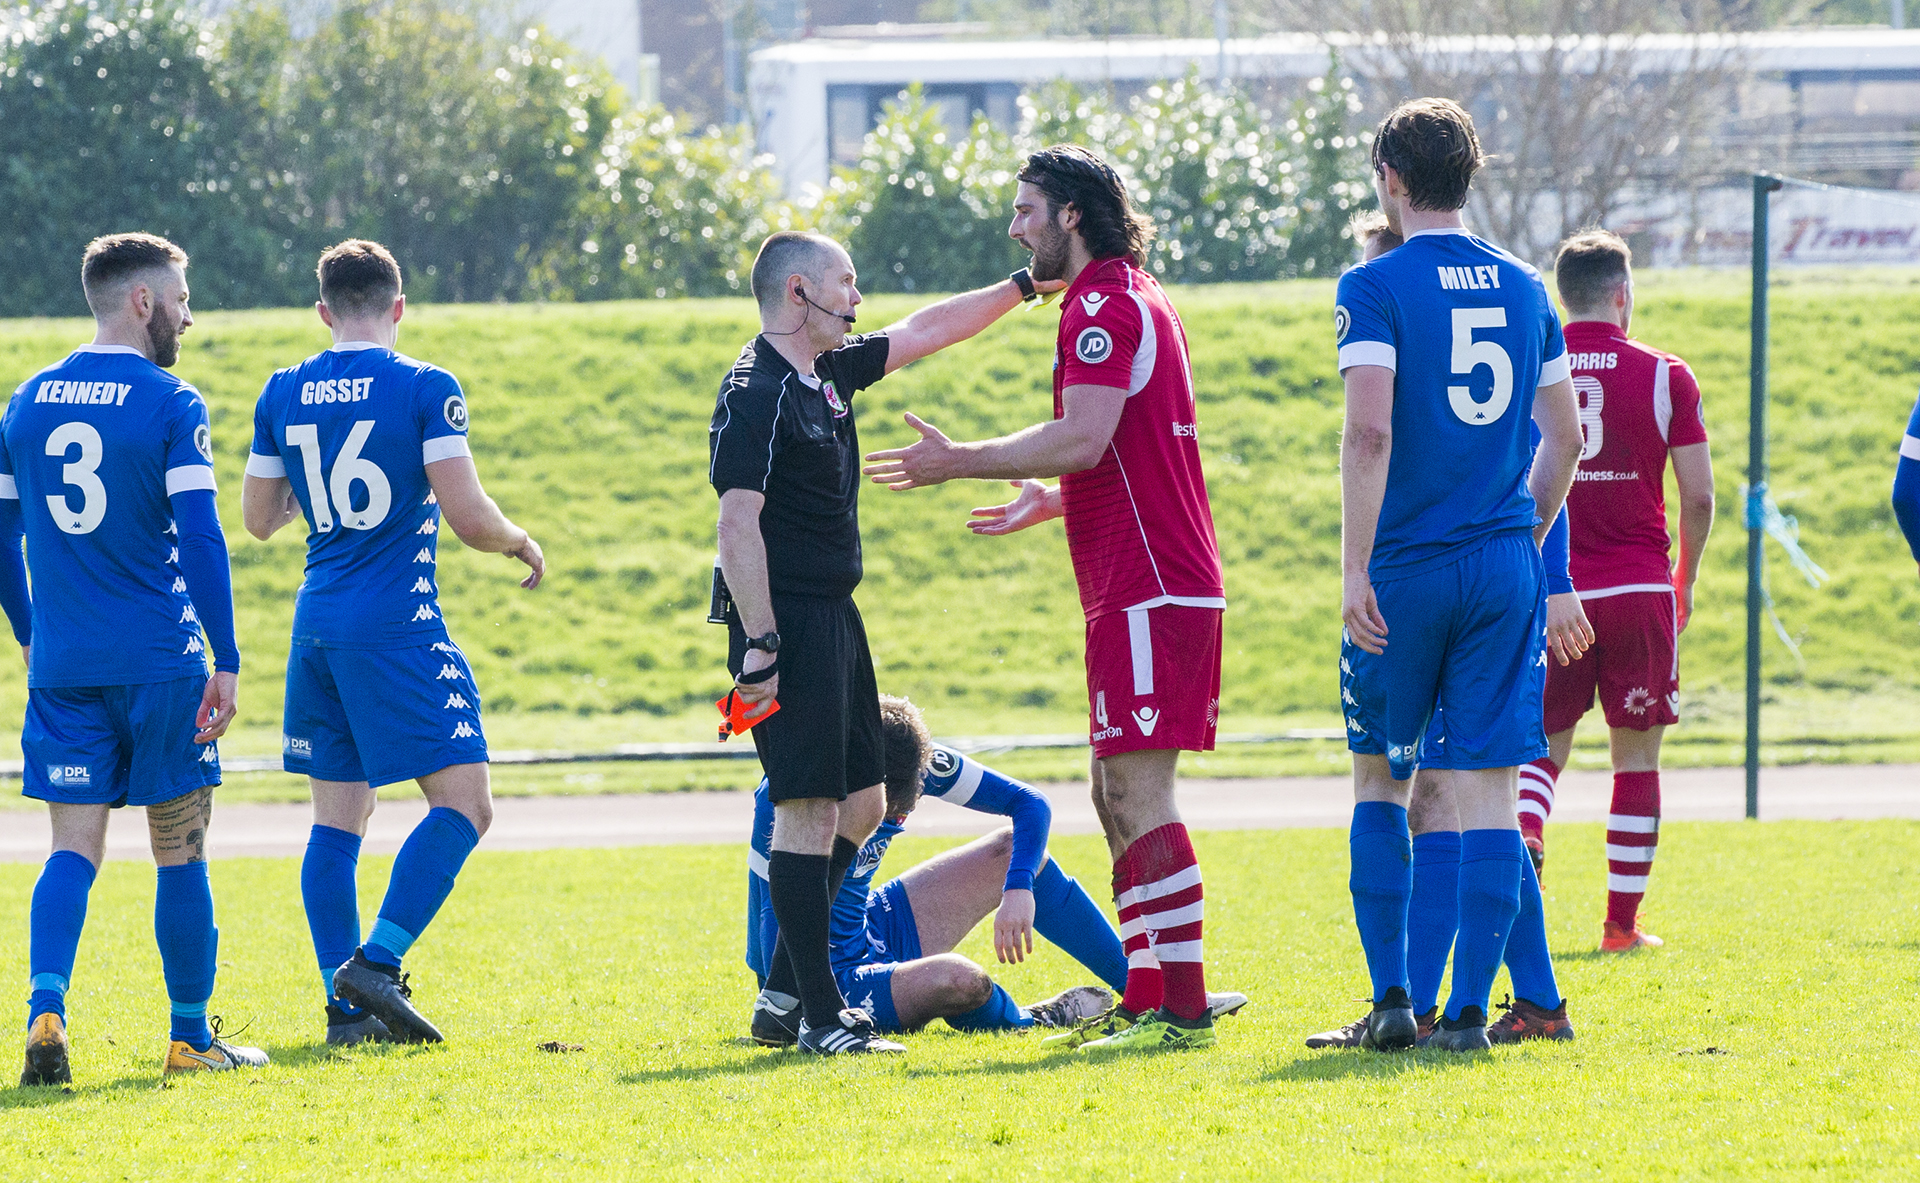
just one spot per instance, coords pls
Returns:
(1811, 791)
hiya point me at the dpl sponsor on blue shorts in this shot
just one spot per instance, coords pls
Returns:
(116, 745)
(892, 938)
(1470, 634)
(380, 715)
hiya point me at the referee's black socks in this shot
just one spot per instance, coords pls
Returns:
(797, 887)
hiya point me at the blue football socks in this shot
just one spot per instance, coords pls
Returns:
(422, 879)
(332, 898)
(189, 945)
(1528, 961)
(1381, 881)
(1433, 914)
(998, 1013)
(1066, 915)
(59, 913)
(1490, 862)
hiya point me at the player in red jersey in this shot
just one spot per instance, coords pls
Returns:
(1124, 441)
(1638, 408)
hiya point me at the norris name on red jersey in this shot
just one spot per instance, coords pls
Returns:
(1636, 405)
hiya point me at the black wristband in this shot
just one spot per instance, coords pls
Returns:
(1023, 279)
(758, 676)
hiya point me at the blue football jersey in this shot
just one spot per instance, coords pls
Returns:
(353, 429)
(93, 448)
(1470, 333)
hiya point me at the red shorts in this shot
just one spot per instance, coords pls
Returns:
(1634, 664)
(1153, 679)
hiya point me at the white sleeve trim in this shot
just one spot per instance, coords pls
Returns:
(11, 491)
(1559, 369)
(188, 477)
(265, 466)
(1909, 448)
(965, 785)
(444, 447)
(1369, 353)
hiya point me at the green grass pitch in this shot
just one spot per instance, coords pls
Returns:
(1772, 1038)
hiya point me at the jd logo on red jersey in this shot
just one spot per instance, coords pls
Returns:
(1094, 346)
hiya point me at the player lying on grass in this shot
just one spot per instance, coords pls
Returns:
(107, 468)
(1639, 408)
(892, 947)
(371, 446)
(1433, 908)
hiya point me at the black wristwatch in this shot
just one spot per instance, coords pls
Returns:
(770, 643)
(1023, 279)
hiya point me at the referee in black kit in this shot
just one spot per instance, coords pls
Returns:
(786, 463)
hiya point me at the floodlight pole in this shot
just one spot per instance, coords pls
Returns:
(1763, 188)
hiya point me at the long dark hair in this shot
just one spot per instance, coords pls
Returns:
(1110, 226)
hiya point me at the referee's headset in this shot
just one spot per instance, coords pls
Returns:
(802, 293)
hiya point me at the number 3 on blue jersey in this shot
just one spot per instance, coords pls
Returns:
(348, 467)
(1469, 355)
(83, 474)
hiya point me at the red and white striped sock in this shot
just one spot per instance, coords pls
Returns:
(1633, 833)
(1144, 984)
(1167, 885)
(1536, 795)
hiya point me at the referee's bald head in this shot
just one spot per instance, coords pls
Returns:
(787, 254)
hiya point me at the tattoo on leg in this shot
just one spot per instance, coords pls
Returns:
(179, 826)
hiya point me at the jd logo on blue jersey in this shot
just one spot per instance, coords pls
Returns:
(1094, 346)
(456, 412)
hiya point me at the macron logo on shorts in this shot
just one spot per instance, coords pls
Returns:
(72, 776)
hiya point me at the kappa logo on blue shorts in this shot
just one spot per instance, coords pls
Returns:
(73, 776)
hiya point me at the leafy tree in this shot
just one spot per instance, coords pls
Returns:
(922, 212)
(1332, 186)
(118, 117)
(1216, 179)
(674, 214)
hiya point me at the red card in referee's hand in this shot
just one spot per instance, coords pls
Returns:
(739, 716)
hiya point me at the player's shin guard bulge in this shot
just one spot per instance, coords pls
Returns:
(1633, 834)
(1166, 876)
(1144, 988)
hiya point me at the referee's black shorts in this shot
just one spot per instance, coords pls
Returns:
(825, 740)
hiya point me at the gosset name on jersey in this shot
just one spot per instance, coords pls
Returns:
(105, 394)
(336, 390)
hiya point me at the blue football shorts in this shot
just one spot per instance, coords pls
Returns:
(1470, 634)
(892, 937)
(380, 715)
(116, 745)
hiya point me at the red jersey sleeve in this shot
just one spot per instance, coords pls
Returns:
(1689, 423)
(1100, 334)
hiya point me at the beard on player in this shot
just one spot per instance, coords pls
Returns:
(163, 333)
(1049, 247)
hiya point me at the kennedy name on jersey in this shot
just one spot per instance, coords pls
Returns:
(105, 394)
(337, 390)
(1469, 279)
